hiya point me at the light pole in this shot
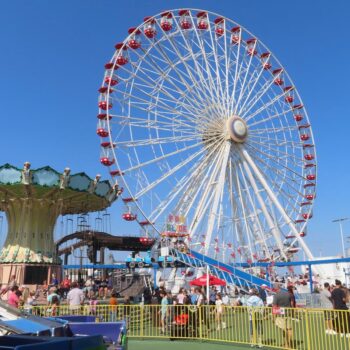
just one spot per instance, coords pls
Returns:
(341, 232)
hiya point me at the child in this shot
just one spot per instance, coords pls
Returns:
(29, 302)
(55, 303)
(219, 309)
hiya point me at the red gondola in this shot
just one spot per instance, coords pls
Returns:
(106, 161)
(166, 22)
(277, 73)
(304, 137)
(298, 117)
(116, 173)
(104, 105)
(185, 22)
(102, 132)
(103, 116)
(108, 145)
(309, 156)
(310, 196)
(236, 35)
(110, 81)
(202, 20)
(134, 39)
(219, 26)
(288, 97)
(129, 216)
(121, 58)
(265, 58)
(251, 45)
(149, 28)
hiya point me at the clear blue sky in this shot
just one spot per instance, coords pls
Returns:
(51, 65)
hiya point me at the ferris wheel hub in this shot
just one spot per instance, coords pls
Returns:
(237, 129)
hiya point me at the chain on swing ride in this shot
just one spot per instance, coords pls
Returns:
(199, 120)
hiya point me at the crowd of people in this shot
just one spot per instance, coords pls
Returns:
(93, 292)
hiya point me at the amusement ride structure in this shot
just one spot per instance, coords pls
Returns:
(32, 201)
(200, 123)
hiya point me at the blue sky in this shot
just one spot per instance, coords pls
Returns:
(51, 65)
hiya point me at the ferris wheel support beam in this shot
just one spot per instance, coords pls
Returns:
(271, 224)
(243, 206)
(206, 199)
(275, 201)
(234, 207)
(219, 188)
(255, 217)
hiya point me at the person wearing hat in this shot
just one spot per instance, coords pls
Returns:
(255, 308)
(282, 300)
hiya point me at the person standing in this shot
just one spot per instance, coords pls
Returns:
(339, 303)
(65, 286)
(163, 311)
(255, 304)
(13, 298)
(263, 293)
(283, 300)
(326, 302)
(52, 293)
(219, 310)
(113, 302)
(212, 296)
(75, 298)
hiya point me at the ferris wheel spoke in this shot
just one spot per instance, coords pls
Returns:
(148, 82)
(277, 150)
(274, 130)
(257, 98)
(177, 189)
(292, 191)
(166, 99)
(276, 158)
(197, 76)
(200, 182)
(197, 92)
(244, 82)
(276, 141)
(167, 174)
(150, 105)
(189, 89)
(208, 69)
(156, 141)
(160, 120)
(158, 159)
(273, 198)
(157, 86)
(280, 168)
(236, 73)
(253, 80)
(218, 68)
(190, 71)
(266, 106)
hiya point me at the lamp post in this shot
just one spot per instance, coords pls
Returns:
(341, 232)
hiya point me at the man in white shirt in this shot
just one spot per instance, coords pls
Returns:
(75, 297)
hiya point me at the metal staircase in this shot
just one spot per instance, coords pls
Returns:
(230, 274)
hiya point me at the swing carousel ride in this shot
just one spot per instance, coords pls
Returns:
(32, 201)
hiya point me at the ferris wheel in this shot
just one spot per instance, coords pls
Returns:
(199, 120)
